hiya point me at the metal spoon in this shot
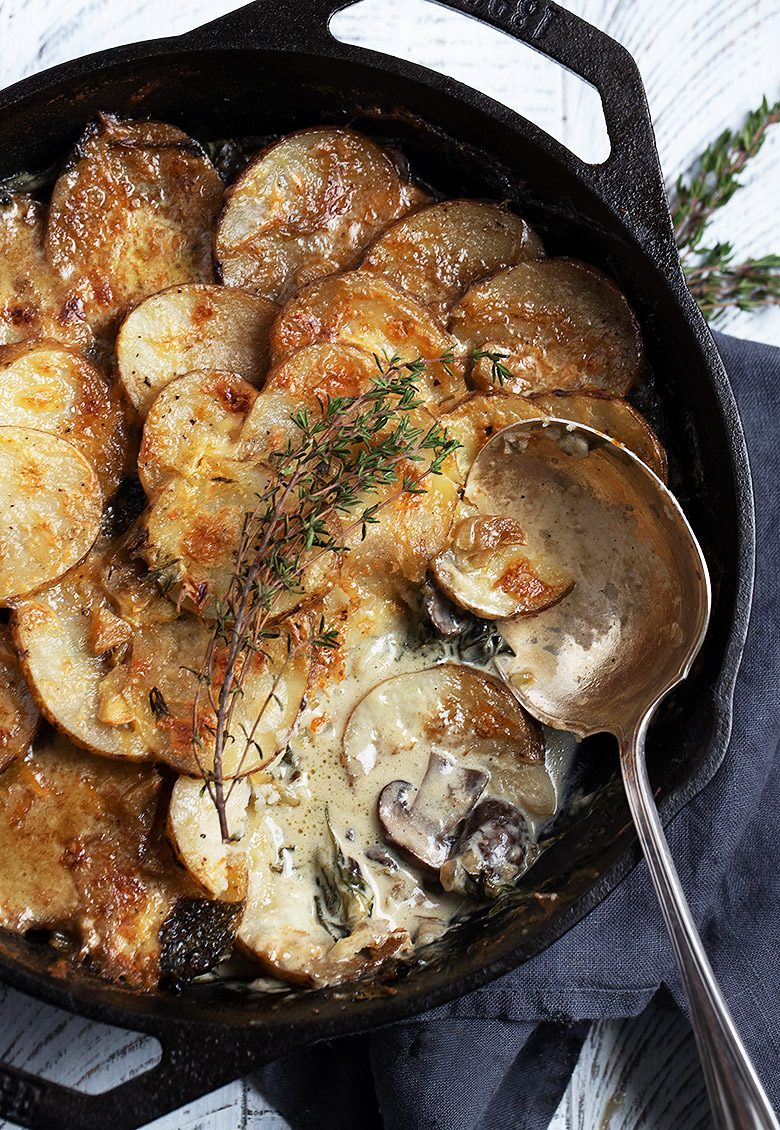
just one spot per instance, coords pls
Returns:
(603, 658)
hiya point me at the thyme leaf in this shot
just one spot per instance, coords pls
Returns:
(342, 455)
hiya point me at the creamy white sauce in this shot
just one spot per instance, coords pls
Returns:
(326, 795)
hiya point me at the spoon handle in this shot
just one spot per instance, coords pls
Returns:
(738, 1100)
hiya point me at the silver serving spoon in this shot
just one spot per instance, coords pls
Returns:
(602, 659)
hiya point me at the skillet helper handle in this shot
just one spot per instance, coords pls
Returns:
(191, 1066)
(736, 1095)
(629, 182)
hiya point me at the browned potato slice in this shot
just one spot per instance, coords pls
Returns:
(54, 389)
(488, 570)
(616, 419)
(438, 252)
(408, 532)
(358, 309)
(18, 716)
(306, 380)
(269, 425)
(79, 853)
(329, 369)
(194, 526)
(185, 328)
(134, 214)
(125, 687)
(306, 208)
(466, 715)
(193, 530)
(561, 324)
(479, 415)
(196, 417)
(34, 301)
(52, 509)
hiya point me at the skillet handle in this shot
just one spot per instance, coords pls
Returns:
(629, 182)
(193, 1064)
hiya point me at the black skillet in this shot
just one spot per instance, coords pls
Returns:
(271, 67)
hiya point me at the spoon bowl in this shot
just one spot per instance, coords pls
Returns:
(637, 614)
(603, 657)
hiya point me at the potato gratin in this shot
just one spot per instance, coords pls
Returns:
(377, 777)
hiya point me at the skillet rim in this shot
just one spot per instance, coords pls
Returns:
(112, 1005)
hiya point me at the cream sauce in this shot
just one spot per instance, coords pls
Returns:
(312, 796)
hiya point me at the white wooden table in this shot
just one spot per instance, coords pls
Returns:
(705, 64)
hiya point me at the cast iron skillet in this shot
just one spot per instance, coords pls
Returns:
(272, 67)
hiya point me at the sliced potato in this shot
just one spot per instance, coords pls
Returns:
(194, 526)
(132, 695)
(54, 389)
(478, 416)
(79, 853)
(301, 921)
(185, 328)
(409, 529)
(616, 419)
(196, 417)
(193, 830)
(306, 380)
(269, 426)
(358, 309)
(466, 715)
(439, 251)
(328, 369)
(52, 509)
(18, 715)
(134, 214)
(306, 208)
(559, 324)
(34, 301)
(488, 570)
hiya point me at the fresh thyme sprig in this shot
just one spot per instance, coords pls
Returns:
(342, 455)
(715, 280)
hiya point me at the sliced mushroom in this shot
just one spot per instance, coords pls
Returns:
(489, 571)
(493, 849)
(447, 618)
(426, 829)
(454, 711)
